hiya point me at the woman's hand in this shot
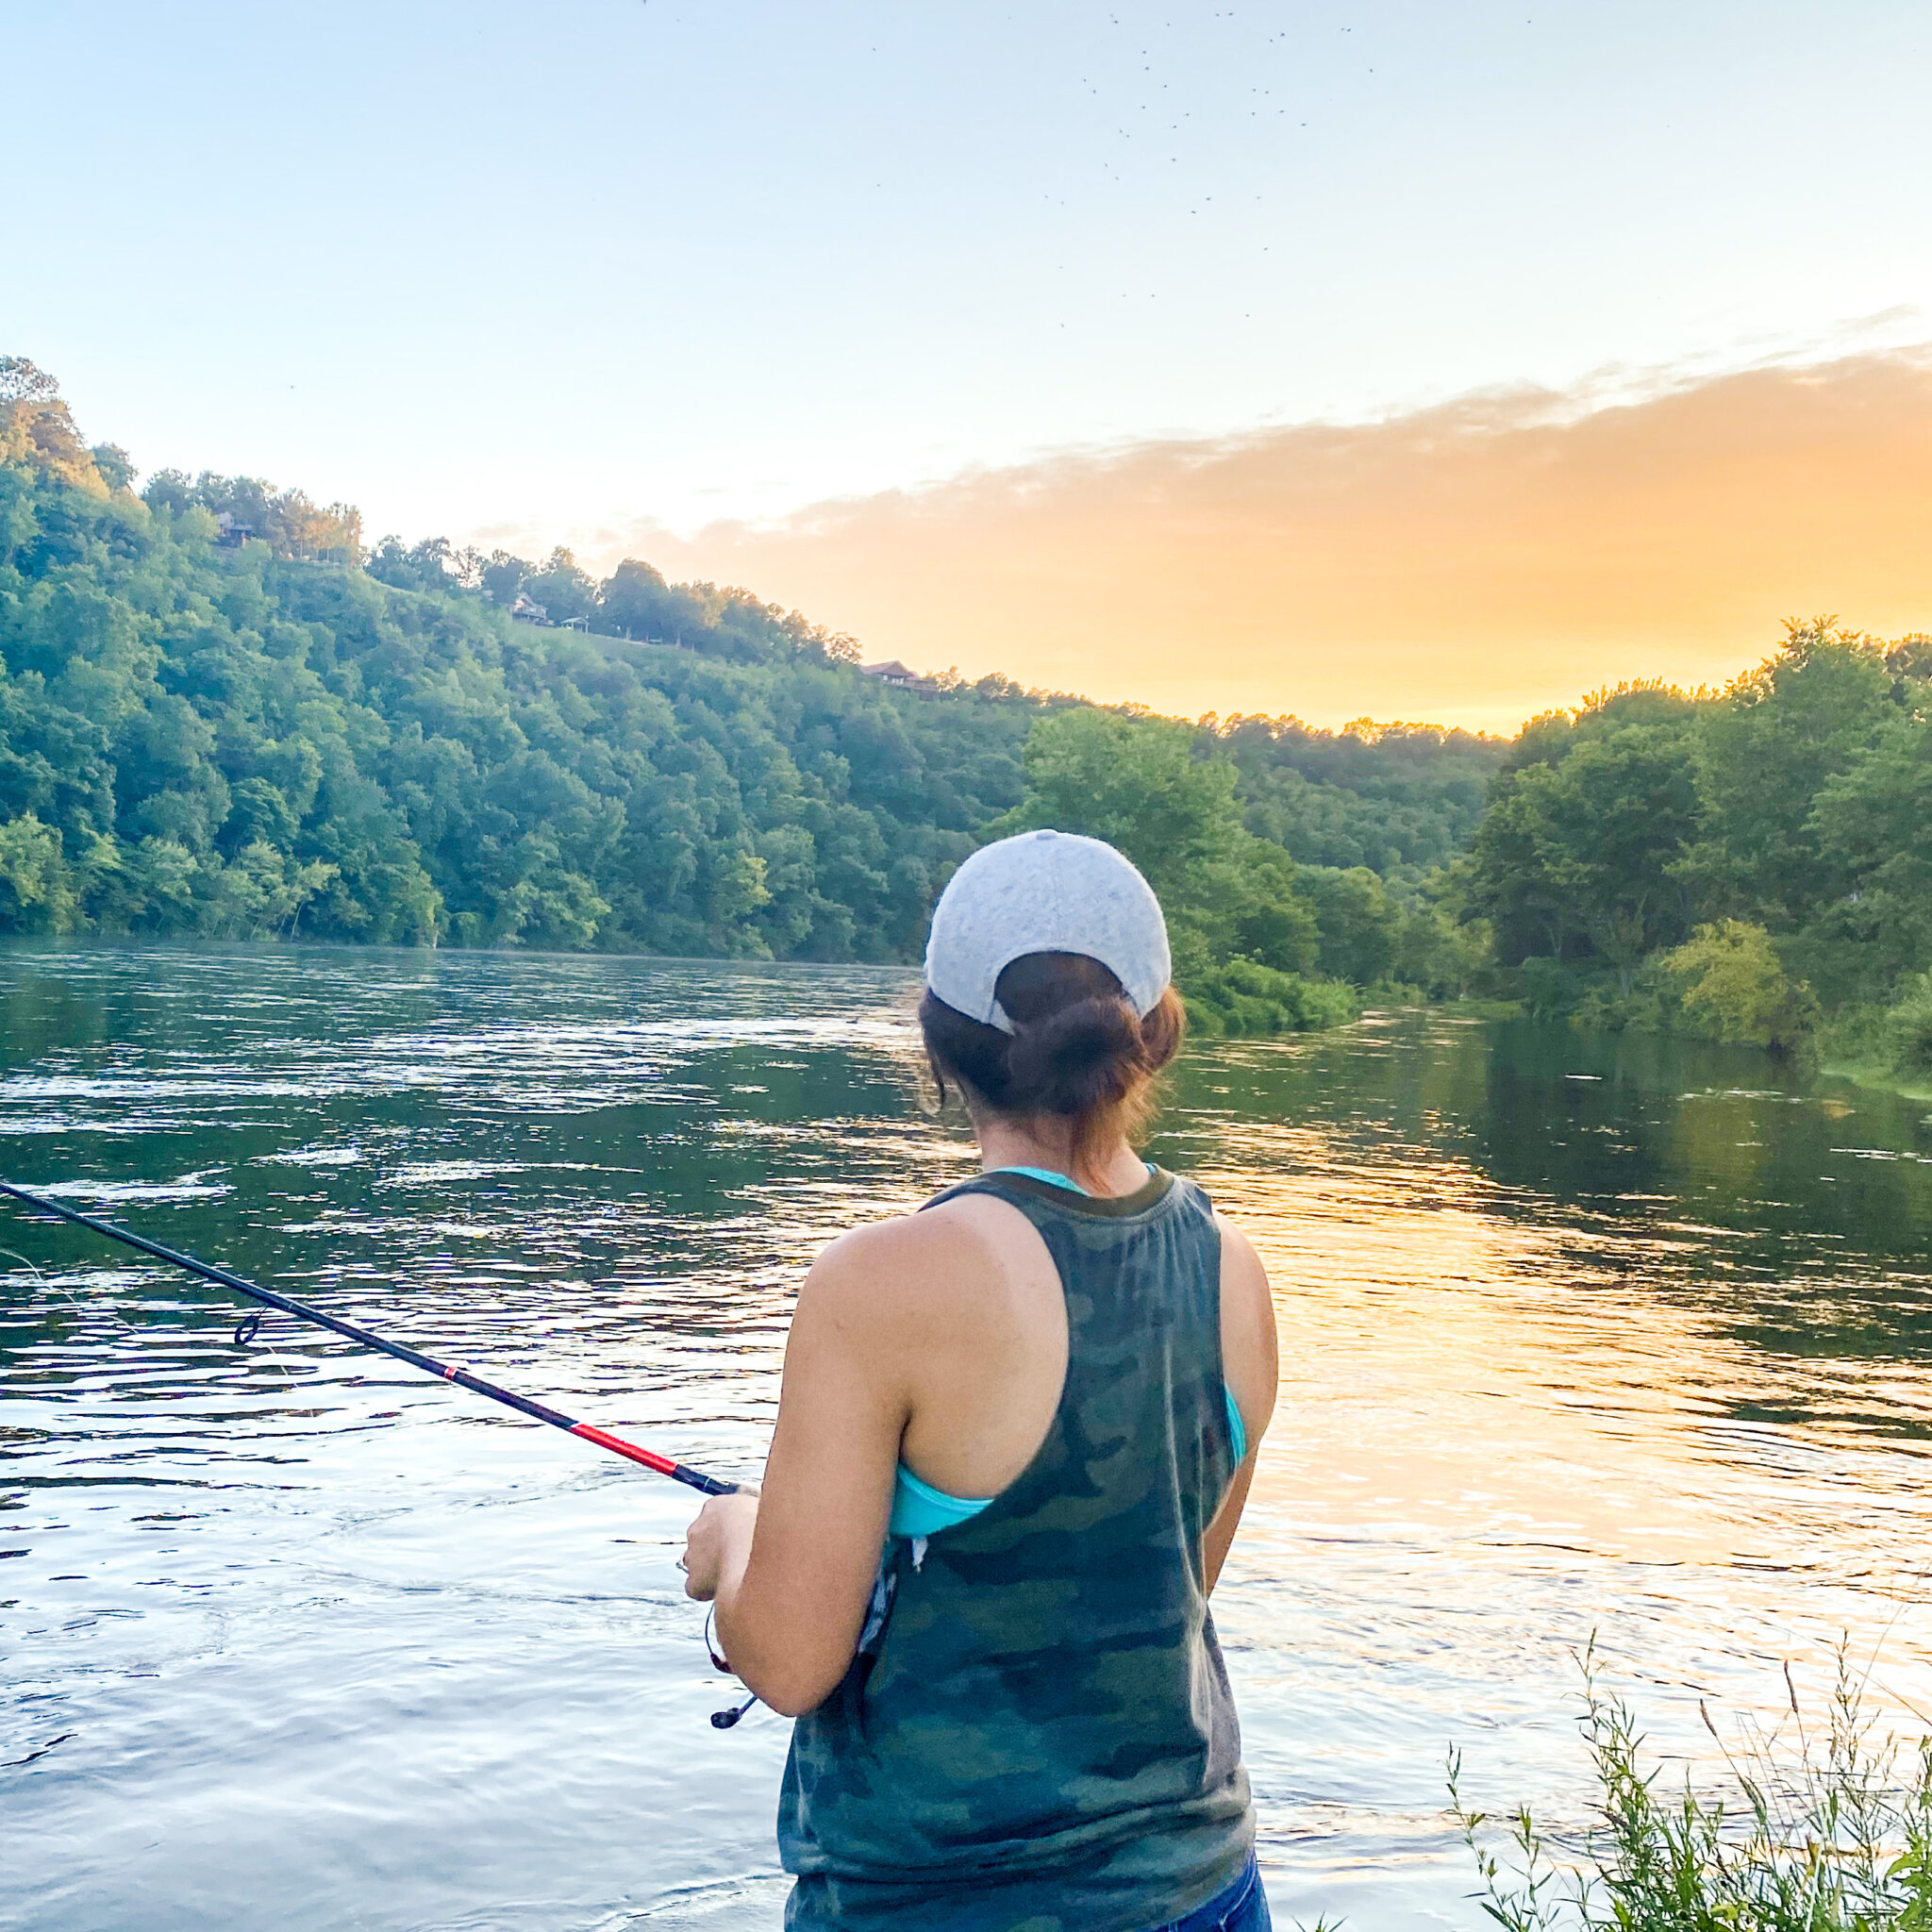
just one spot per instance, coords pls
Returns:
(718, 1543)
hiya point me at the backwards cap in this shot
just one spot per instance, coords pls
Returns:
(1044, 893)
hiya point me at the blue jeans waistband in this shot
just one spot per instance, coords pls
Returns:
(1242, 1906)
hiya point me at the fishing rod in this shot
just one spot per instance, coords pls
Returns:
(446, 1372)
(464, 1378)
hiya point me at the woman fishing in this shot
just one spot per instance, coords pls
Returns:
(1041, 1396)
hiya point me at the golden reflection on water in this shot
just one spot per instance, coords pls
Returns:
(1426, 1376)
(1449, 1362)
(1503, 1428)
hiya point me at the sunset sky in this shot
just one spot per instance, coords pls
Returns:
(1417, 361)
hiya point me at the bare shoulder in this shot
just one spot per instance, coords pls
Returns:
(913, 1260)
(1248, 1345)
(1241, 1267)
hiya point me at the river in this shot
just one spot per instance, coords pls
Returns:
(1578, 1335)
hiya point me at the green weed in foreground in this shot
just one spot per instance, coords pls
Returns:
(1810, 1832)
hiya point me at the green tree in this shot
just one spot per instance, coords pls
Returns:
(565, 592)
(1736, 988)
(21, 382)
(637, 602)
(1873, 849)
(1590, 847)
(1400, 799)
(1781, 733)
(502, 576)
(1909, 1028)
(1150, 788)
(36, 893)
(260, 893)
(1785, 815)
(1357, 922)
(1138, 783)
(1438, 953)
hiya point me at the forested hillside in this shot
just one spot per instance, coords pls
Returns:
(1753, 863)
(1399, 799)
(220, 716)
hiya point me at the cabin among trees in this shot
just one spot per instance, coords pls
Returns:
(900, 677)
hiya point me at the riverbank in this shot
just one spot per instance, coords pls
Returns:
(1881, 1079)
(1871, 1046)
(1821, 1820)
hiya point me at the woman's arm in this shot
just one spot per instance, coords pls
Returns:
(1250, 1365)
(791, 1568)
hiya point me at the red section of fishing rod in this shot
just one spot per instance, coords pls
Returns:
(618, 1446)
(353, 1331)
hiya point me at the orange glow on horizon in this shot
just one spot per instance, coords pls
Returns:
(1468, 564)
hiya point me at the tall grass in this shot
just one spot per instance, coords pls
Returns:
(1813, 1828)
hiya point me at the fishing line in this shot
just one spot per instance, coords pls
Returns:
(57, 1288)
(367, 1338)
(721, 1720)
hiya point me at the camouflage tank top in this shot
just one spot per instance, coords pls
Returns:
(1036, 1734)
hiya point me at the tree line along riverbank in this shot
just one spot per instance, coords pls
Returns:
(222, 714)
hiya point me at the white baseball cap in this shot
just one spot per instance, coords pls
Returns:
(1044, 893)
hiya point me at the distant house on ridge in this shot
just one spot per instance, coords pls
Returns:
(891, 671)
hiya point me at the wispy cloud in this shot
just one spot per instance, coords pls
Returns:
(1472, 562)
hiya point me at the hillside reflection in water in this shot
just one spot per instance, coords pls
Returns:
(1578, 1336)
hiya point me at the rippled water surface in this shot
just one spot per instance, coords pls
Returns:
(1578, 1336)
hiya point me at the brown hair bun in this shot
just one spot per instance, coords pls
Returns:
(1077, 1052)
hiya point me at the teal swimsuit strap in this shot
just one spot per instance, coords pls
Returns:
(919, 1509)
(1044, 1174)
